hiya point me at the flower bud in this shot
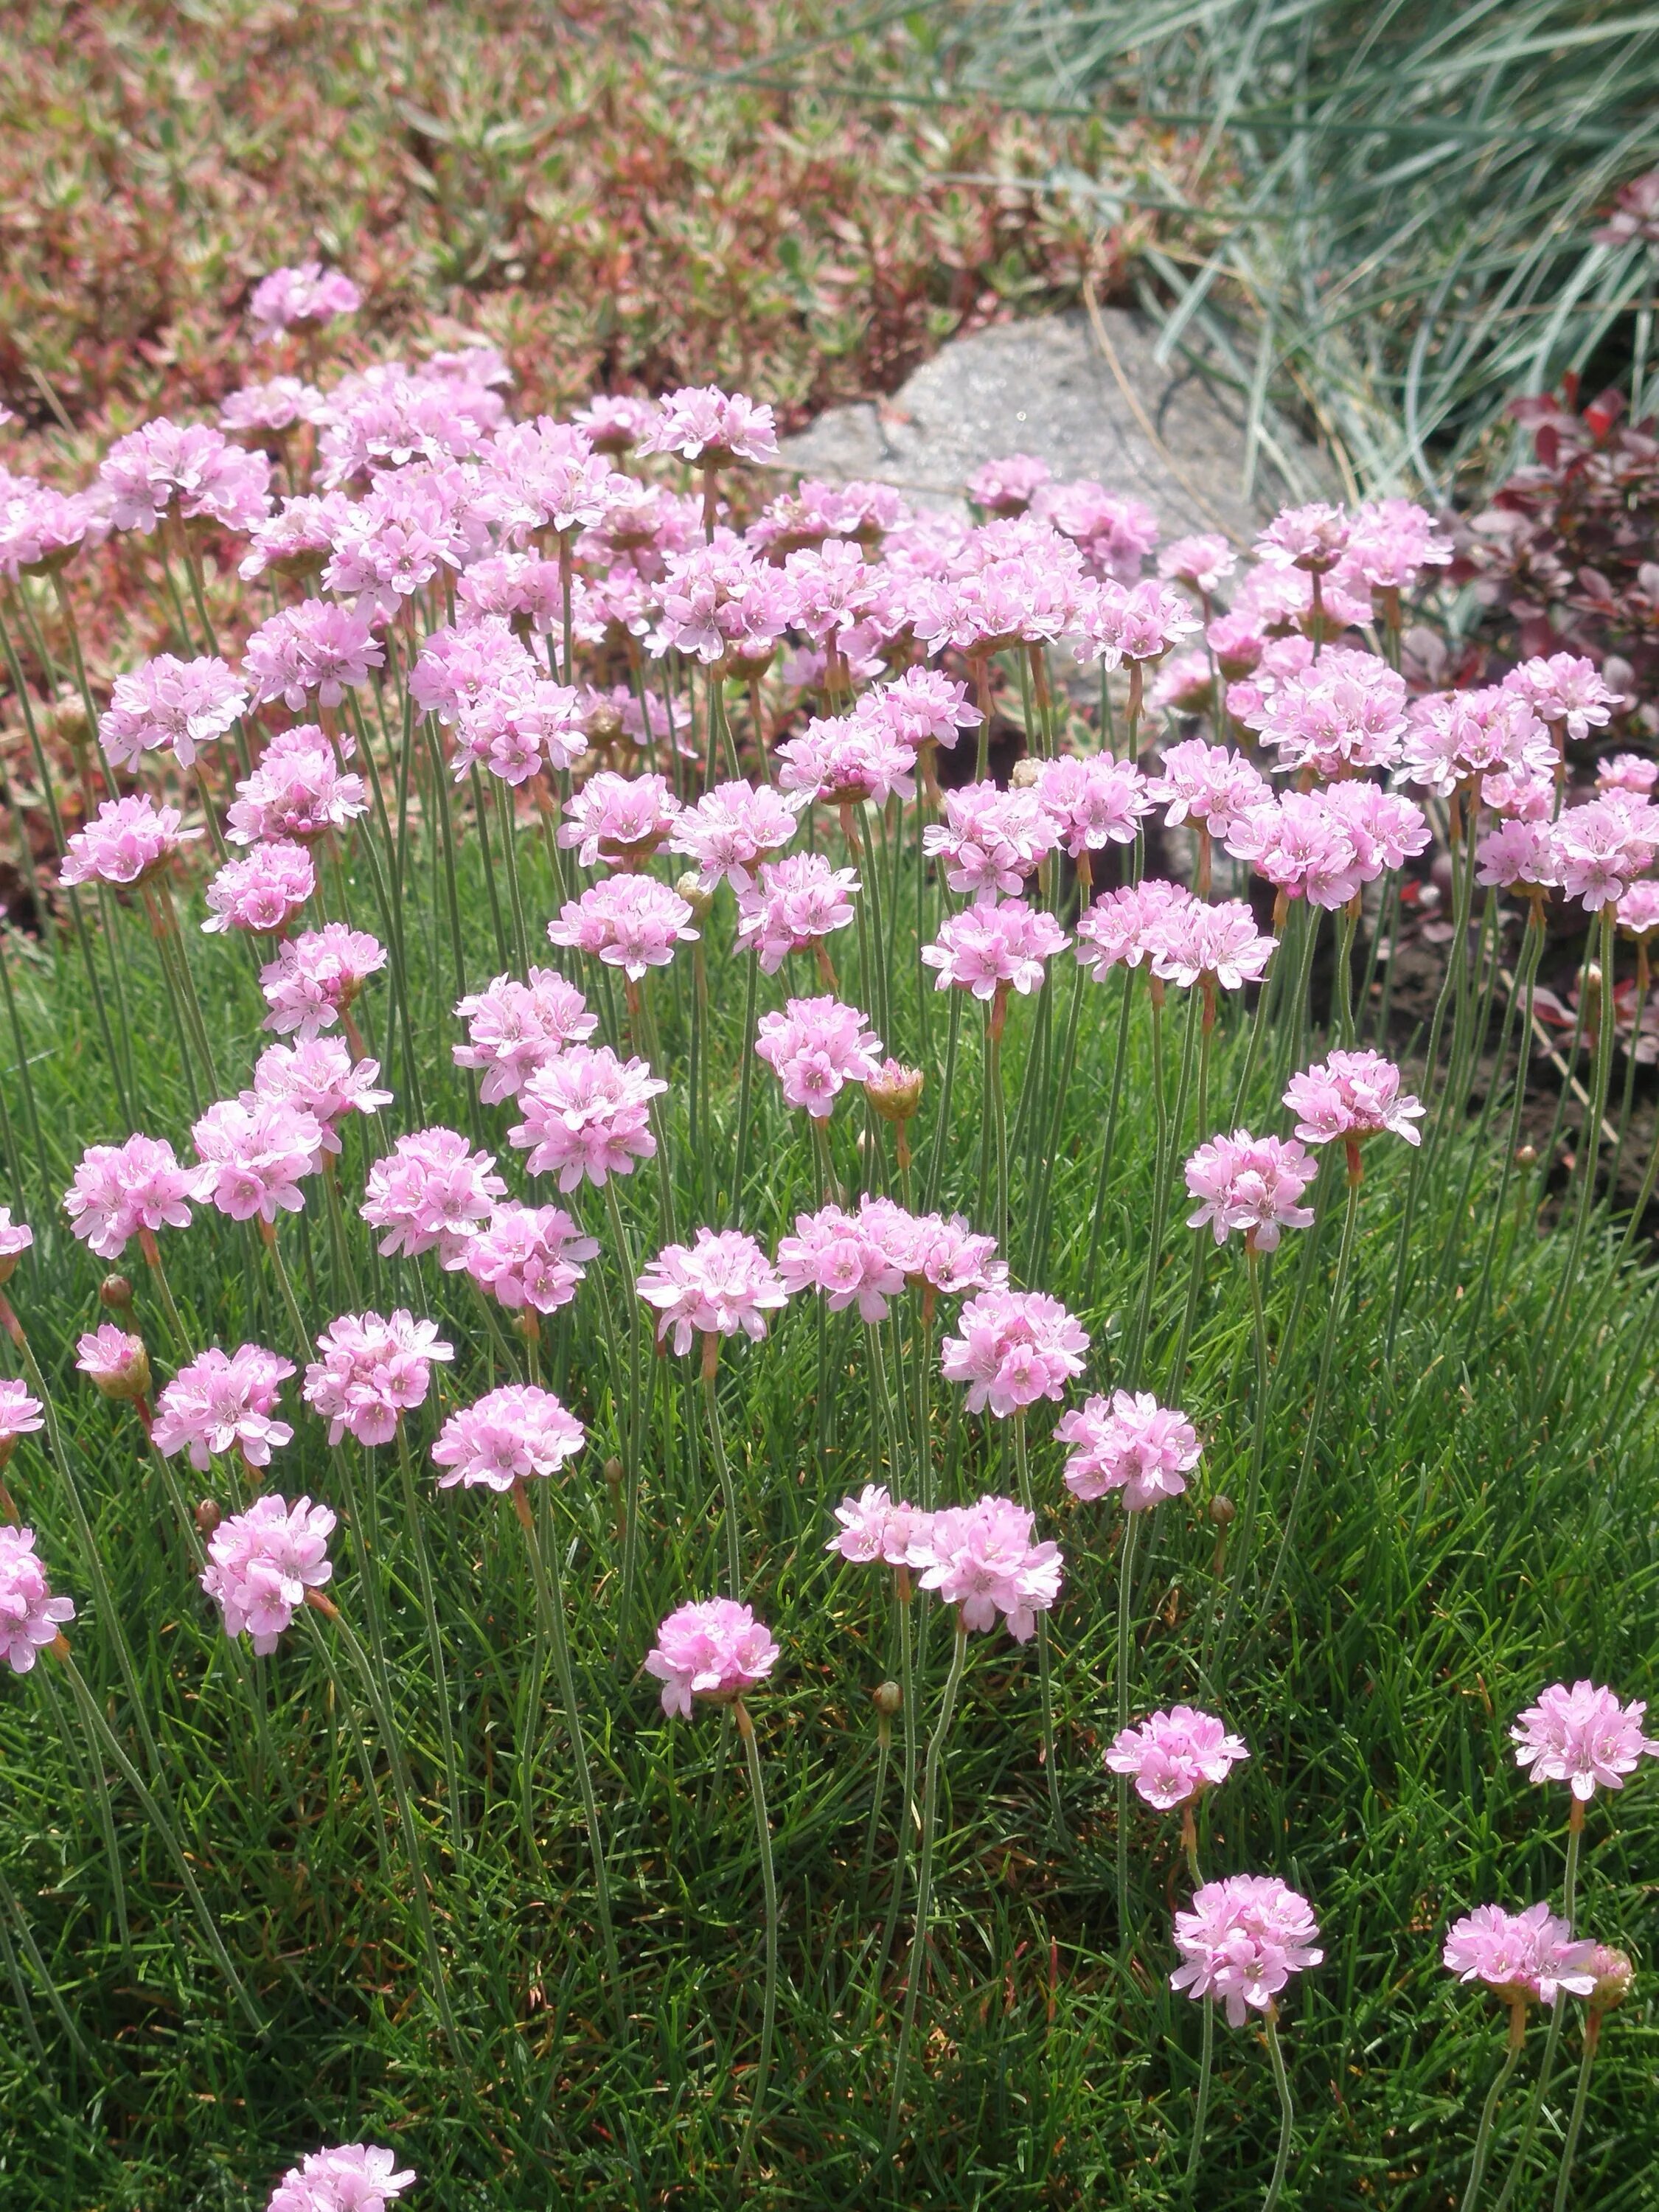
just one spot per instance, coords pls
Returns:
(1026, 773)
(69, 721)
(1223, 1512)
(888, 1698)
(614, 1472)
(208, 1515)
(1614, 1974)
(115, 1290)
(894, 1090)
(689, 887)
(1526, 1156)
(117, 1364)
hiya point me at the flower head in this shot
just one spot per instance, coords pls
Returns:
(223, 1402)
(318, 645)
(431, 1192)
(194, 466)
(319, 1076)
(131, 840)
(991, 840)
(732, 829)
(510, 1435)
(1131, 1444)
(815, 1048)
(1015, 1346)
(982, 1558)
(721, 1283)
(1242, 1939)
(315, 976)
(1000, 945)
(875, 1530)
(529, 1255)
(702, 423)
(513, 1028)
(373, 1369)
(353, 2178)
(15, 1238)
(630, 923)
(1174, 1755)
(169, 704)
(619, 819)
(797, 902)
(1211, 785)
(1525, 1957)
(307, 292)
(119, 1190)
(846, 1257)
(298, 792)
(714, 1649)
(1582, 1737)
(253, 1155)
(1350, 1095)
(263, 893)
(20, 1415)
(31, 1617)
(115, 1362)
(261, 1564)
(1250, 1183)
(586, 1113)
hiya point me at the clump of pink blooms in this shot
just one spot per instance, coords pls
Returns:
(115, 1361)
(1174, 1756)
(319, 1076)
(714, 1649)
(129, 841)
(1131, 1444)
(20, 1414)
(121, 1191)
(371, 1370)
(1242, 1941)
(586, 1113)
(1252, 1184)
(222, 1402)
(529, 1255)
(720, 1284)
(1015, 1347)
(984, 1559)
(844, 1255)
(1582, 1737)
(513, 1028)
(307, 292)
(1525, 1958)
(876, 1530)
(178, 705)
(795, 904)
(1350, 1095)
(262, 1563)
(815, 1047)
(254, 1156)
(263, 893)
(315, 977)
(31, 1617)
(630, 923)
(350, 2178)
(995, 947)
(431, 1193)
(509, 1436)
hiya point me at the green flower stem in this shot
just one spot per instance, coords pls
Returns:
(1526, 979)
(769, 1880)
(877, 1797)
(746, 1088)
(1170, 1136)
(1126, 1584)
(420, 1885)
(98, 1727)
(916, 1969)
(89, 1771)
(1286, 2114)
(711, 1355)
(504, 953)
(1108, 1140)
(1556, 1336)
(549, 1597)
(1201, 2103)
(1483, 2134)
(904, 1599)
(883, 1008)
(1041, 1209)
(1045, 1670)
(1244, 1546)
(416, 1525)
(1576, 2123)
(997, 1114)
(940, 1144)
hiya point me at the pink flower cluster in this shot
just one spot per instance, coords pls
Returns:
(630, 923)
(169, 704)
(262, 1563)
(985, 1561)
(1015, 1347)
(262, 894)
(1129, 1444)
(224, 1402)
(1250, 1183)
(513, 1028)
(1526, 1957)
(714, 1649)
(31, 1617)
(995, 947)
(1350, 1095)
(528, 1255)
(351, 2177)
(1582, 1737)
(129, 841)
(254, 1153)
(431, 1193)
(315, 977)
(119, 1191)
(509, 1436)
(1242, 1941)
(1174, 1756)
(373, 1369)
(586, 1113)
(795, 905)
(720, 1284)
(815, 1048)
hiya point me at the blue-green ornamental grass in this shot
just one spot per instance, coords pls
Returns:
(1025, 1345)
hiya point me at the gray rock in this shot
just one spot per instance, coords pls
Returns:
(1046, 387)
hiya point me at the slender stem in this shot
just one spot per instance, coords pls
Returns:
(1097, 1212)
(1287, 2115)
(769, 1880)
(1169, 1143)
(1126, 1582)
(1201, 2103)
(878, 1796)
(745, 1086)
(908, 1809)
(434, 1643)
(1483, 2134)
(728, 1492)
(1245, 1542)
(550, 1596)
(1576, 2123)
(917, 1967)
(1045, 1669)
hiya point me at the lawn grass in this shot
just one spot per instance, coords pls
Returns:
(1480, 1519)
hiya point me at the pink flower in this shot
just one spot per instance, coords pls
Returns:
(843, 1256)
(1207, 784)
(1191, 940)
(721, 606)
(1132, 1444)
(267, 409)
(1312, 538)
(509, 1436)
(1351, 1094)
(1139, 624)
(168, 703)
(41, 527)
(946, 1256)
(431, 1192)
(995, 946)
(1016, 1346)
(1601, 848)
(702, 423)
(849, 760)
(212, 481)
(315, 976)
(922, 707)
(981, 1558)
(263, 893)
(1093, 802)
(1583, 1736)
(990, 840)
(457, 665)
(1113, 532)
(815, 1048)
(223, 1402)
(586, 1113)
(20, 1415)
(514, 1028)
(1385, 828)
(1242, 1939)
(1174, 1756)
(518, 726)
(318, 646)
(373, 1369)
(874, 1530)
(131, 840)
(115, 1362)
(530, 1255)
(262, 1563)
(1007, 487)
(1516, 856)
(295, 794)
(716, 1649)
(253, 1155)
(614, 420)
(297, 539)
(1303, 848)
(619, 819)
(307, 292)
(1129, 926)
(731, 830)
(1391, 542)
(1251, 1184)
(15, 1238)
(798, 902)
(720, 1283)
(630, 923)
(1455, 737)
(543, 475)
(31, 1617)
(319, 1075)
(1345, 712)
(1627, 772)
(1638, 909)
(1204, 562)
(1526, 1957)
(1565, 688)
(119, 1190)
